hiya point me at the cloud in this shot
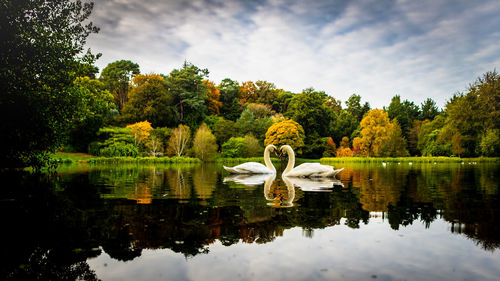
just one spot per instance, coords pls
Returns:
(373, 48)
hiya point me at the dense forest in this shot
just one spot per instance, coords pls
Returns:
(54, 98)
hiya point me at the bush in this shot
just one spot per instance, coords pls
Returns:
(234, 147)
(119, 149)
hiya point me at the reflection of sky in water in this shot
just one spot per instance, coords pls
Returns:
(342, 253)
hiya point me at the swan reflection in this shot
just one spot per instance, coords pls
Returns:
(313, 184)
(250, 179)
(280, 197)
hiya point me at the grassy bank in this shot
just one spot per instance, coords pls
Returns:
(65, 157)
(409, 159)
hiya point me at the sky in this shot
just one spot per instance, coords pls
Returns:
(376, 49)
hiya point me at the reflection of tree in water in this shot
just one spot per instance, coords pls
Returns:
(72, 223)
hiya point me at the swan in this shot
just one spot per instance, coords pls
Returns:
(254, 167)
(306, 169)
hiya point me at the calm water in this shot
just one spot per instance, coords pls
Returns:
(398, 222)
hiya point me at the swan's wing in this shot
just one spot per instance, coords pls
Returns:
(249, 168)
(310, 170)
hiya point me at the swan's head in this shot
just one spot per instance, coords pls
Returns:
(273, 148)
(284, 149)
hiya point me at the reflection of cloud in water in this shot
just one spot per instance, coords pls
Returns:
(313, 184)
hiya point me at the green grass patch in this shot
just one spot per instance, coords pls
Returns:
(149, 160)
(68, 157)
(409, 159)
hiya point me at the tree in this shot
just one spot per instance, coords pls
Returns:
(213, 95)
(204, 144)
(379, 137)
(41, 54)
(344, 150)
(309, 110)
(179, 140)
(405, 112)
(354, 107)
(116, 76)
(224, 130)
(343, 124)
(396, 144)
(253, 147)
(149, 100)
(140, 131)
(96, 105)
(247, 93)
(429, 110)
(286, 132)
(186, 85)
(229, 94)
(248, 124)
(331, 148)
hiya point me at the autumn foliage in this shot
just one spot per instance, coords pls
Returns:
(140, 131)
(286, 132)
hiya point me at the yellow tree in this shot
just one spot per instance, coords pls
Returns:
(286, 132)
(344, 149)
(375, 130)
(204, 144)
(178, 142)
(140, 131)
(247, 93)
(213, 96)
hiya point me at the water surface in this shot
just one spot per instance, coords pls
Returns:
(193, 222)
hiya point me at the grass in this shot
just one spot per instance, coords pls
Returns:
(408, 159)
(66, 158)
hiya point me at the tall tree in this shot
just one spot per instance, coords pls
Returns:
(354, 107)
(150, 100)
(116, 76)
(41, 54)
(405, 112)
(429, 110)
(186, 84)
(229, 90)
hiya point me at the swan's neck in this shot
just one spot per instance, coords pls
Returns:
(267, 159)
(291, 161)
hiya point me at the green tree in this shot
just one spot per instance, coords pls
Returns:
(253, 147)
(405, 112)
(429, 110)
(190, 92)
(235, 147)
(230, 109)
(354, 107)
(149, 100)
(96, 106)
(204, 145)
(248, 124)
(116, 76)
(224, 130)
(41, 54)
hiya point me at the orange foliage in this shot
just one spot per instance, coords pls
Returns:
(248, 93)
(213, 96)
(140, 131)
(285, 132)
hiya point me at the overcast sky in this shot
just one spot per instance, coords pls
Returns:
(417, 49)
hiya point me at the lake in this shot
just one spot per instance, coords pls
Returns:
(194, 222)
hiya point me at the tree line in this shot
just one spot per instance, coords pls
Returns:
(54, 97)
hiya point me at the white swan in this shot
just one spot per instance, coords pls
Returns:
(306, 169)
(254, 167)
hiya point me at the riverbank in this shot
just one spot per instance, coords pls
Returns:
(443, 159)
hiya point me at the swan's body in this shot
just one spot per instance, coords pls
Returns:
(307, 169)
(254, 167)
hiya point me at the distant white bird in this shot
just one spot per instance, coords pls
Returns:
(384, 164)
(254, 167)
(306, 169)
(410, 163)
